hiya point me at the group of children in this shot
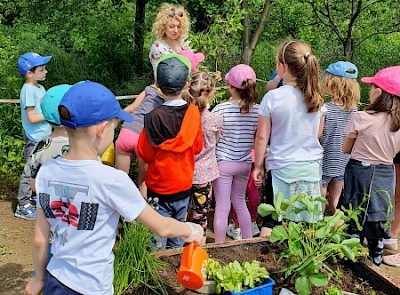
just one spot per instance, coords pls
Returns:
(192, 154)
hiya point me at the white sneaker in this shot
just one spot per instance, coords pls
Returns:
(233, 232)
(254, 229)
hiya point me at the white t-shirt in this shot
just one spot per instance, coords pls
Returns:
(294, 132)
(238, 130)
(83, 201)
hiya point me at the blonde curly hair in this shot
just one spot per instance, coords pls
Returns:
(168, 12)
(343, 91)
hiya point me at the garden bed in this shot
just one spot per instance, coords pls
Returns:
(267, 254)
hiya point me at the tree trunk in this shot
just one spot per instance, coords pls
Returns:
(250, 46)
(138, 35)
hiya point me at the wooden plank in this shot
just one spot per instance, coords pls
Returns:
(172, 252)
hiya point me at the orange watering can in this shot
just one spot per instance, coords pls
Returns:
(192, 270)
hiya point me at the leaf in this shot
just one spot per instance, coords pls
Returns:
(318, 279)
(348, 252)
(278, 234)
(351, 242)
(303, 286)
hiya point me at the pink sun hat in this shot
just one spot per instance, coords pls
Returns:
(387, 79)
(239, 74)
(194, 58)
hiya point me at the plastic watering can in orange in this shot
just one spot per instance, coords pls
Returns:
(192, 270)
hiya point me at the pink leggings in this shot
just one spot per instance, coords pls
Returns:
(253, 197)
(229, 187)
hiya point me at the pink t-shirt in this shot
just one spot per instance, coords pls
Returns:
(206, 168)
(375, 143)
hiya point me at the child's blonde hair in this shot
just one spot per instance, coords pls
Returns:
(201, 86)
(342, 91)
(303, 65)
(168, 12)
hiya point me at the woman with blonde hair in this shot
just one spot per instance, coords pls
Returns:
(171, 28)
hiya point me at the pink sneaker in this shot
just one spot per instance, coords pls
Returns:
(390, 244)
(392, 260)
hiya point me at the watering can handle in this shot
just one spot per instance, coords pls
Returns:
(190, 254)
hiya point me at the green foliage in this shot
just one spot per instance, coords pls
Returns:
(236, 276)
(134, 265)
(309, 245)
(333, 290)
(11, 155)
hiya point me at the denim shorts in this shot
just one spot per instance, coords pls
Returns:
(328, 179)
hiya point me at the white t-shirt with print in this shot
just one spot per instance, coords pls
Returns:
(83, 201)
(294, 131)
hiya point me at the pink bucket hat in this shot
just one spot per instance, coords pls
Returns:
(387, 79)
(239, 74)
(194, 58)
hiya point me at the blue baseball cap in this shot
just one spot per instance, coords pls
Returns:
(29, 60)
(50, 102)
(343, 69)
(90, 103)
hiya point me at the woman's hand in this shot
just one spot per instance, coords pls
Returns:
(258, 175)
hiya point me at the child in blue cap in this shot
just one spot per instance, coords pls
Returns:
(32, 67)
(340, 85)
(81, 201)
(57, 143)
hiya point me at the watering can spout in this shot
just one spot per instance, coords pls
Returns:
(192, 270)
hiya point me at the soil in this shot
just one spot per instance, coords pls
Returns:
(267, 254)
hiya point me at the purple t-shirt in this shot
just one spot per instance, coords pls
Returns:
(150, 101)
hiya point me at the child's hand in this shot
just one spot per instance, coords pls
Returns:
(34, 287)
(197, 233)
(258, 175)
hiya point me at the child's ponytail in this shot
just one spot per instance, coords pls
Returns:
(201, 86)
(303, 65)
(249, 95)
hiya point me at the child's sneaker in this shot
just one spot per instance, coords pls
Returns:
(233, 232)
(254, 229)
(25, 212)
(392, 260)
(390, 244)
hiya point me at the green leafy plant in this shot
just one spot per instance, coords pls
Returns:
(310, 245)
(236, 276)
(333, 290)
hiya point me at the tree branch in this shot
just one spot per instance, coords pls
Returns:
(261, 24)
(379, 33)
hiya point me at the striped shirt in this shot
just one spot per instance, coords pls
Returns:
(237, 137)
(336, 119)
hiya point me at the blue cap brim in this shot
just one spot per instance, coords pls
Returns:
(125, 116)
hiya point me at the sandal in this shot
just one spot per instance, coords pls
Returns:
(392, 260)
